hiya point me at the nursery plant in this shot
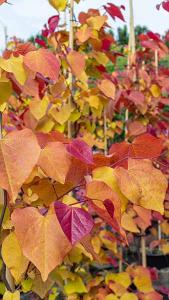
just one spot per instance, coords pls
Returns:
(84, 159)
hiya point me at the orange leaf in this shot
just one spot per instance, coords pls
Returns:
(83, 33)
(44, 62)
(76, 61)
(142, 184)
(107, 87)
(55, 161)
(19, 153)
(41, 238)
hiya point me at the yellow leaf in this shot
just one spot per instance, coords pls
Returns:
(59, 5)
(93, 101)
(96, 22)
(129, 296)
(38, 108)
(122, 278)
(155, 90)
(127, 223)
(165, 249)
(111, 297)
(75, 286)
(11, 296)
(61, 116)
(13, 257)
(100, 57)
(143, 184)
(107, 175)
(142, 280)
(5, 90)
(14, 65)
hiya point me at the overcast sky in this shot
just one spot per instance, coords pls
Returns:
(26, 17)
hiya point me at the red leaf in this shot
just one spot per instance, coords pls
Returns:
(53, 23)
(144, 146)
(3, 1)
(81, 151)
(40, 42)
(153, 36)
(109, 206)
(136, 97)
(75, 222)
(165, 5)
(114, 11)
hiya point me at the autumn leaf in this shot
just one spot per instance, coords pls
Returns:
(55, 161)
(53, 136)
(76, 62)
(3, 1)
(38, 108)
(75, 286)
(129, 296)
(19, 153)
(100, 191)
(59, 5)
(41, 238)
(11, 296)
(96, 22)
(5, 90)
(83, 33)
(15, 65)
(136, 97)
(127, 222)
(107, 87)
(81, 151)
(44, 62)
(75, 222)
(165, 5)
(143, 146)
(142, 279)
(53, 23)
(122, 278)
(114, 11)
(143, 185)
(13, 257)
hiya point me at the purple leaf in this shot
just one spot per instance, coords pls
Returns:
(81, 151)
(53, 23)
(76, 223)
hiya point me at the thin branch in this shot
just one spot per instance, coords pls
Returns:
(3, 209)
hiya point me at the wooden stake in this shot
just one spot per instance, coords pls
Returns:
(105, 131)
(132, 41)
(143, 251)
(71, 46)
(156, 62)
